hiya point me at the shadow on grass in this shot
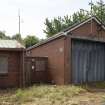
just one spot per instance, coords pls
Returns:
(93, 87)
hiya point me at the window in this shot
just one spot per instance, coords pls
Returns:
(3, 64)
(40, 65)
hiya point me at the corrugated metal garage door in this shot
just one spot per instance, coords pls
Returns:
(88, 61)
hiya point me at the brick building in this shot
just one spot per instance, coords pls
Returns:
(11, 64)
(75, 55)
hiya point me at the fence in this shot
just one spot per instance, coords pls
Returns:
(35, 70)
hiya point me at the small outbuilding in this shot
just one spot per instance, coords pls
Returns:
(11, 64)
(75, 55)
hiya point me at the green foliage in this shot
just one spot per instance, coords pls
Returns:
(54, 95)
(58, 24)
(19, 94)
(46, 93)
(18, 38)
(99, 10)
(49, 29)
(79, 16)
(27, 41)
(30, 40)
(3, 36)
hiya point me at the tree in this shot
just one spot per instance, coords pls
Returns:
(79, 16)
(18, 38)
(3, 35)
(49, 29)
(58, 24)
(30, 40)
(99, 10)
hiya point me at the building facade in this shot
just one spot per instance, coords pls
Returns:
(75, 55)
(11, 64)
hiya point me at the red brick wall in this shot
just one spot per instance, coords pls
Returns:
(55, 59)
(85, 30)
(68, 74)
(60, 64)
(12, 78)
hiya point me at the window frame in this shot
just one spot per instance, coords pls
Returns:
(6, 56)
(39, 63)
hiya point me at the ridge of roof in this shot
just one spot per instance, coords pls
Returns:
(67, 30)
(47, 40)
(75, 26)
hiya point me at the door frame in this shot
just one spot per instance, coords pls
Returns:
(86, 40)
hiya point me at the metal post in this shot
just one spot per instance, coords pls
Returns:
(19, 20)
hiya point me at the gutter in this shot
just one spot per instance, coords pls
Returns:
(48, 40)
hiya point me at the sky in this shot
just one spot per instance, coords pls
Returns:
(33, 14)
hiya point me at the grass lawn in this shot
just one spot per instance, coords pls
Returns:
(54, 95)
